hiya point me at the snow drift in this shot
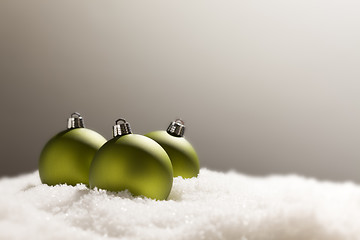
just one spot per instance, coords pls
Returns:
(213, 206)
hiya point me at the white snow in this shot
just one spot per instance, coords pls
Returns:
(213, 206)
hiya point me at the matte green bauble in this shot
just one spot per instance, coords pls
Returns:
(66, 157)
(133, 162)
(184, 159)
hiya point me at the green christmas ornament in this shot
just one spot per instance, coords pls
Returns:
(133, 162)
(183, 157)
(66, 157)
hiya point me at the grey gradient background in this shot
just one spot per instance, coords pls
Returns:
(264, 86)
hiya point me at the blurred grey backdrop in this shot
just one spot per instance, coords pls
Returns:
(264, 86)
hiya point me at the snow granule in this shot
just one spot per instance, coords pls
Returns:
(213, 206)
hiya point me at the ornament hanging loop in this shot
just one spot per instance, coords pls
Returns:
(75, 121)
(76, 114)
(180, 121)
(120, 129)
(120, 119)
(176, 128)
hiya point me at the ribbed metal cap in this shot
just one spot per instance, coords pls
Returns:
(75, 121)
(120, 129)
(176, 128)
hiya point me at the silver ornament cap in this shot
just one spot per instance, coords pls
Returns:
(176, 128)
(120, 129)
(75, 121)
